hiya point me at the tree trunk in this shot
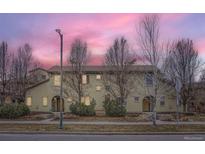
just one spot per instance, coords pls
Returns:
(184, 108)
(154, 114)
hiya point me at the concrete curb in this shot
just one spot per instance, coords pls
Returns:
(102, 133)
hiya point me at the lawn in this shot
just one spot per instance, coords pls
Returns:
(128, 118)
(101, 128)
(33, 116)
(135, 117)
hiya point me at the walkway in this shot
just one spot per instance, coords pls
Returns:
(49, 121)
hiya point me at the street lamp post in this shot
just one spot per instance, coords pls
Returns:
(61, 77)
(177, 88)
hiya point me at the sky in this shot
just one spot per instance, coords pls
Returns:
(98, 30)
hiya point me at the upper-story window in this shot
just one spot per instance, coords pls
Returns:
(98, 88)
(149, 79)
(85, 79)
(69, 99)
(108, 87)
(162, 100)
(57, 80)
(136, 99)
(98, 77)
(43, 77)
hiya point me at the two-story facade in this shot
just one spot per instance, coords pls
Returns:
(44, 96)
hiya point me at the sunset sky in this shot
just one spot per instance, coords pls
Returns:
(98, 30)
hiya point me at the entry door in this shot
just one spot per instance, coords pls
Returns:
(59, 105)
(146, 106)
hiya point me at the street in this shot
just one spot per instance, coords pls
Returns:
(76, 137)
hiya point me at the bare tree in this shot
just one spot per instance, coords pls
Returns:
(182, 65)
(20, 66)
(4, 65)
(78, 60)
(118, 61)
(202, 76)
(149, 43)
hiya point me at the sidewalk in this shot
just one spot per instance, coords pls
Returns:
(49, 121)
(102, 133)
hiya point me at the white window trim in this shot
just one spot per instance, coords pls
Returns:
(46, 100)
(100, 88)
(160, 100)
(30, 100)
(84, 79)
(98, 77)
(54, 80)
(145, 80)
(69, 99)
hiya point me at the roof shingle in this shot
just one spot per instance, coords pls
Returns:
(140, 68)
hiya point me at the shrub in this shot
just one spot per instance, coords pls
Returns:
(12, 111)
(23, 109)
(83, 110)
(113, 108)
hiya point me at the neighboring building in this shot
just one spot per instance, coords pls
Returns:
(44, 96)
(198, 101)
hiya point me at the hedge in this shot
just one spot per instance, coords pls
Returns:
(12, 111)
(113, 108)
(82, 109)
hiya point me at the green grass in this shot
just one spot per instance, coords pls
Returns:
(102, 128)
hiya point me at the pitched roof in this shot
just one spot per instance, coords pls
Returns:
(38, 68)
(39, 83)
(140, 68)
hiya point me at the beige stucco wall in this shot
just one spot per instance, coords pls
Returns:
(49, 90)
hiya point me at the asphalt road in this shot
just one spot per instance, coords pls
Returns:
(73, 137)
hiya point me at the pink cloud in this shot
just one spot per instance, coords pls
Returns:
(96, 60)
(200, 45)
(98, 30)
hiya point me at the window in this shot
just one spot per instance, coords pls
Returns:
(98, 88)
(107, 97)
(98, 77)
(57, 81)
(43, 76)
(29, 101)
(45, 101)
(87, 100)
(136, 99)
(69, 99)
(84, 79)
(107, 87)
(162, 100)
(149, 79)
(82, 99)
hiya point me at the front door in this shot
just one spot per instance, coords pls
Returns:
(56, 105)
(146, 105)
